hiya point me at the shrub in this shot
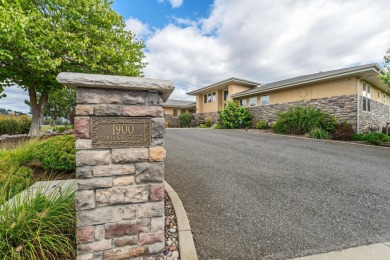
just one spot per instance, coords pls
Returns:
(343, 131)
(40, 227)
(231, 115)
(56, 153)
(217, 126)
(208, 121)
(185, 119)
(300, 120)
(203, 126)
(14, 176)
(318, 133)
(262, 125)
(61, 129)
(371, 138)
(14, 124)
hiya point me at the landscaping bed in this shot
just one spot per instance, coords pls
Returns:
(39, 224)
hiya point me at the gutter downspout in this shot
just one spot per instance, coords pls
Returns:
(358, 107)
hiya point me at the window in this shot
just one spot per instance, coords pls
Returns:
(174, 112)
(213, 97)
(243, 102)
(204, 98)
(226, 95)
(366, 97)
(208, 97)
(384, 98)
(253, 101)
(379, 96)
(264, 100)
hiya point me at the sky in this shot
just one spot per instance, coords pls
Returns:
(195, 43)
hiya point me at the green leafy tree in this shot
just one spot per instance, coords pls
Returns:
(40, 38)
(61, 103)
(386, 77)
(232, 113)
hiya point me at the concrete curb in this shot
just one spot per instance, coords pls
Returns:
(186, 241)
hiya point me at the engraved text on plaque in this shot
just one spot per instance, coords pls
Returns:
(120, 132)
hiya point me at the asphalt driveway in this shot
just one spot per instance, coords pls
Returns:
(274, 197)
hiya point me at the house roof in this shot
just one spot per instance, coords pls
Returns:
(179, 103)
(224, 83)
(368, 72)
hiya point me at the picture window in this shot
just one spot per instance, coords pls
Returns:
(253, 101)
(264, 100)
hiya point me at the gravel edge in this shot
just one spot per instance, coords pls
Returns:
(186, 241)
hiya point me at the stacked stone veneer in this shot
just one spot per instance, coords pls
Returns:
(344, 108)
(120, 192)
(375, 119)
(173, 121)
(201, 117)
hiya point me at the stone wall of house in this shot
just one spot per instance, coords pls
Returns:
(173, 121)
(375, 119)
(201, 117)
(342, 107)
(119, 196)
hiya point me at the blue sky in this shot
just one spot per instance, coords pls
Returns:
(197, 43)
(160, 13)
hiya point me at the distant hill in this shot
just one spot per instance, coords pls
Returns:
(4, 111)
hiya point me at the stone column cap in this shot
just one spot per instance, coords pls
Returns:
(85, 80)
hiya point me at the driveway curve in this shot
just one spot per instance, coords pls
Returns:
(275, 197)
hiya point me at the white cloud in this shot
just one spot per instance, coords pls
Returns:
(176, 3)
(269, 40)
(173, 3)
(15, 99)
(140, 29)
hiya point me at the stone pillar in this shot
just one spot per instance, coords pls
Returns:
(119, 129)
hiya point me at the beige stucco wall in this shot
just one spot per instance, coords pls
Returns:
(199, 103)
(234, 88)
(219, 102)
(210, 107)
(169, 110)
(332, 88)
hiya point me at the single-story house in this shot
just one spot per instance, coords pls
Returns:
(355, 95)
(174, 108)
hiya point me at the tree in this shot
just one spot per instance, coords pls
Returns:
(61, 103)
(40, 38)
(386, 77)
(231, 115)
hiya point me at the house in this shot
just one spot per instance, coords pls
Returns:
(174, 108)
(355, 95)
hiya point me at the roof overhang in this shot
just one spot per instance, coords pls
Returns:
(223, 85)
(371, 75)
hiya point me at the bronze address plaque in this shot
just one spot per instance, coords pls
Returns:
(120, 132)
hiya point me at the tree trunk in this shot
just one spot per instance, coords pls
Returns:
(37, 108)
